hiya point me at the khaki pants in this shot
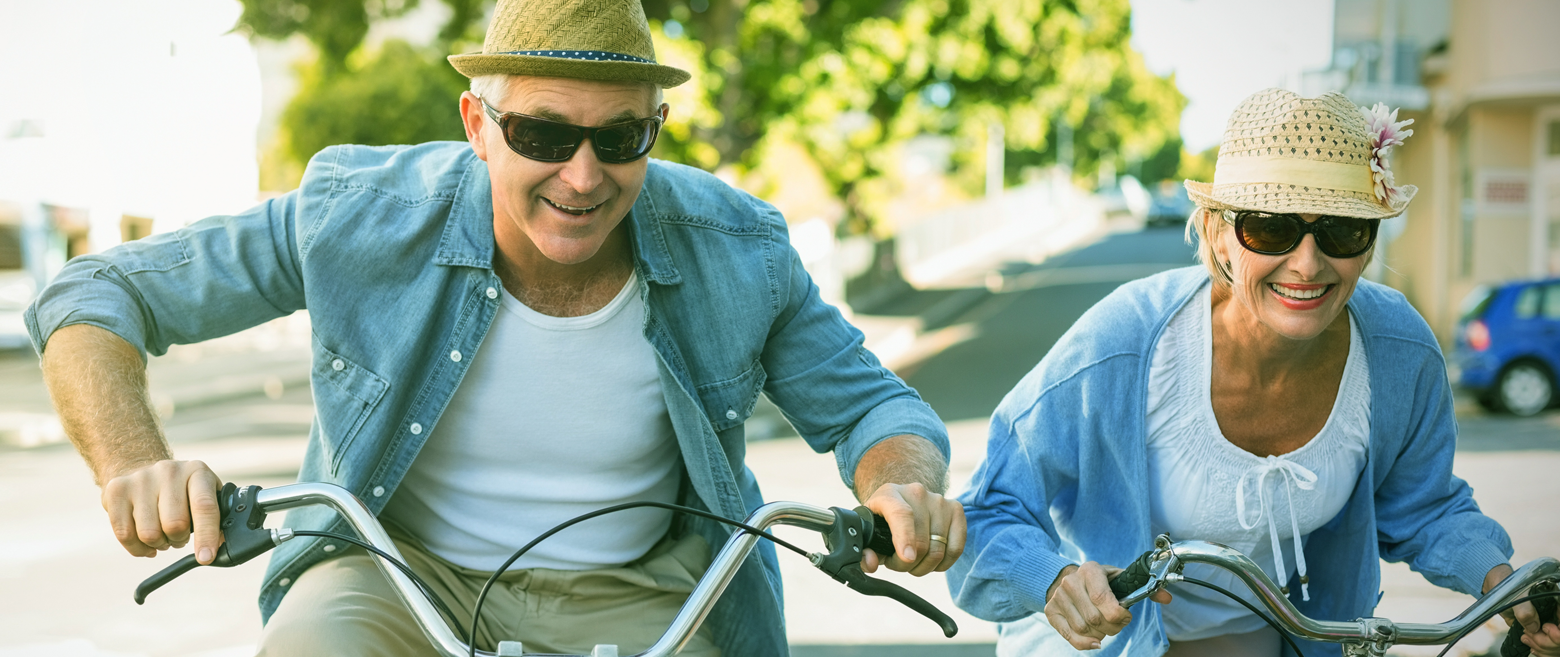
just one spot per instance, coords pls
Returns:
(344, 606)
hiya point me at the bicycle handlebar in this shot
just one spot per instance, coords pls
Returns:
(846, 533)
(1161, 566)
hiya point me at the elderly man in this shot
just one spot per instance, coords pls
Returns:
(507, 333)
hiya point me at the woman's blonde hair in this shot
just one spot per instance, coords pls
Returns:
(1198, 227)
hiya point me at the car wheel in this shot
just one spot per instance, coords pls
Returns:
(1525, 389)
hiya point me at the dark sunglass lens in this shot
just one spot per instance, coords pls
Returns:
(543, 140)
(623, 143)
(1344, 236)
(1268, 233)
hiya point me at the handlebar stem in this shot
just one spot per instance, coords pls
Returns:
(721, 571)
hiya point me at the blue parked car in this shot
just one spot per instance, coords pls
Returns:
(1508, 345)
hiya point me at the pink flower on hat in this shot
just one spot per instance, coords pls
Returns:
(1385, 132)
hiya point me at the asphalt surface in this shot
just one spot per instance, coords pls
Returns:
(985, 336)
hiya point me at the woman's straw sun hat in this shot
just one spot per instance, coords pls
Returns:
(1284, 153)
(605, 40)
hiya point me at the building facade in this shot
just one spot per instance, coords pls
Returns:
(1481, 79)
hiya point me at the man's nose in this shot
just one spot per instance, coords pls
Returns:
(583, 172)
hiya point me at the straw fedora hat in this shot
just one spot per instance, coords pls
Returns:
(1284, 153)
(583, 39)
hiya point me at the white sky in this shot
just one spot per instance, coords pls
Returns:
(1224, 50)
(147, 107)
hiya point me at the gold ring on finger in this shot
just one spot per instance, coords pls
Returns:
(940, 538)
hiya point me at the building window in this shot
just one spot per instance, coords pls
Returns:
(1554, 138)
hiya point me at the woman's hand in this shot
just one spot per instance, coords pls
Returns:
(1542, 638)
(1082, 608)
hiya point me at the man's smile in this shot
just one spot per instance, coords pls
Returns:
(574, 210)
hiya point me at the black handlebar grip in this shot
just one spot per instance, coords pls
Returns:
(864, 585)
(164, 576)
(1547, 613)
(1133, 578)
(882, 539)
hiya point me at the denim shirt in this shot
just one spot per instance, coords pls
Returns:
(1065, 478)
(391, 251)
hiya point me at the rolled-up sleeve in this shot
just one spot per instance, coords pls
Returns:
(828, 385)
(217, 276)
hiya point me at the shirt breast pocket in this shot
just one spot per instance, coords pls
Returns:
(730, 402)
(345, 394)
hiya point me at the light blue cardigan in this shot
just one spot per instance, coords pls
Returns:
(1067, 461)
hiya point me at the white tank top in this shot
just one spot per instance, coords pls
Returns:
(558, 416)
(1203, 487)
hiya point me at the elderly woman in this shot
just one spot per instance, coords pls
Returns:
(1270, 401)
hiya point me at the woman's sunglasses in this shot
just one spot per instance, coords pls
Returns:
(551, 141)
(1277, 234)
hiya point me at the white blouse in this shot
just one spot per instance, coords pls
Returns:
(1205, 488)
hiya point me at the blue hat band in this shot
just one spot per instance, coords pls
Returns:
(582, 55)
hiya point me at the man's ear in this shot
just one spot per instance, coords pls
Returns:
(472, 116)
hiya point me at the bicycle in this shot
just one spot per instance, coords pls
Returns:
(1363, 637)
(846, 532)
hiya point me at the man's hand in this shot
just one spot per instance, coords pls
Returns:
(902, 479)
(1082, 608)
(160, 506)
(928, 529)
(1542, 638)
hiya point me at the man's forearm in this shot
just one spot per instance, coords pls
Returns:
(903, 459)
(98, 384)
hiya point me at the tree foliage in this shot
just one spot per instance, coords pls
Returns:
(395, 95)
(851, 81)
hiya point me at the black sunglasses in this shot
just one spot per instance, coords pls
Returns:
(551, 141)
(1276, 234)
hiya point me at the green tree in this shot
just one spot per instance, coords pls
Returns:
(396, 95)
(849, 80)
(852, 80)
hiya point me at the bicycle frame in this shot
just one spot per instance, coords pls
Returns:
(1364, 636)
(720, 573)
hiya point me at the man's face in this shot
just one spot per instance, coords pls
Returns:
(565, 210)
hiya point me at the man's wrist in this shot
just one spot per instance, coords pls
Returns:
(902, 459)
(1066, 570)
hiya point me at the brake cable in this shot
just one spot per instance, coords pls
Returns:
(476, 612)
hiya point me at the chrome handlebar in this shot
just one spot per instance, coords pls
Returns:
(1168, 558)
(846, 534)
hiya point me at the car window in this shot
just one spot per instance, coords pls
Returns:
(1552, 301)
(1477, 301)
(1527, 302)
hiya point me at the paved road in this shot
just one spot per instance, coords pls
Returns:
(76, 584)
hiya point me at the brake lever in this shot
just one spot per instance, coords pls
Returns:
(854, 531)
(1146, 575)
(244, 537)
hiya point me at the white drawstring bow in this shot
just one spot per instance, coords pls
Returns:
(1295, 476)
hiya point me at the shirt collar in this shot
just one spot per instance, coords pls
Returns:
(468, 236)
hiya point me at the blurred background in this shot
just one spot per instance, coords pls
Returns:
(963, 178)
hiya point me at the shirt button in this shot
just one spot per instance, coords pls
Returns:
(416, 429)
(455, 356)
(285, 581)
(330, 548)
(492, 293)
(379, 491)
(338, 365)
(731, 415)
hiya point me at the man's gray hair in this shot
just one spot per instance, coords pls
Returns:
(493, 88)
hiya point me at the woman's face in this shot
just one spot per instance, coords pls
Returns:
(1297, 294)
